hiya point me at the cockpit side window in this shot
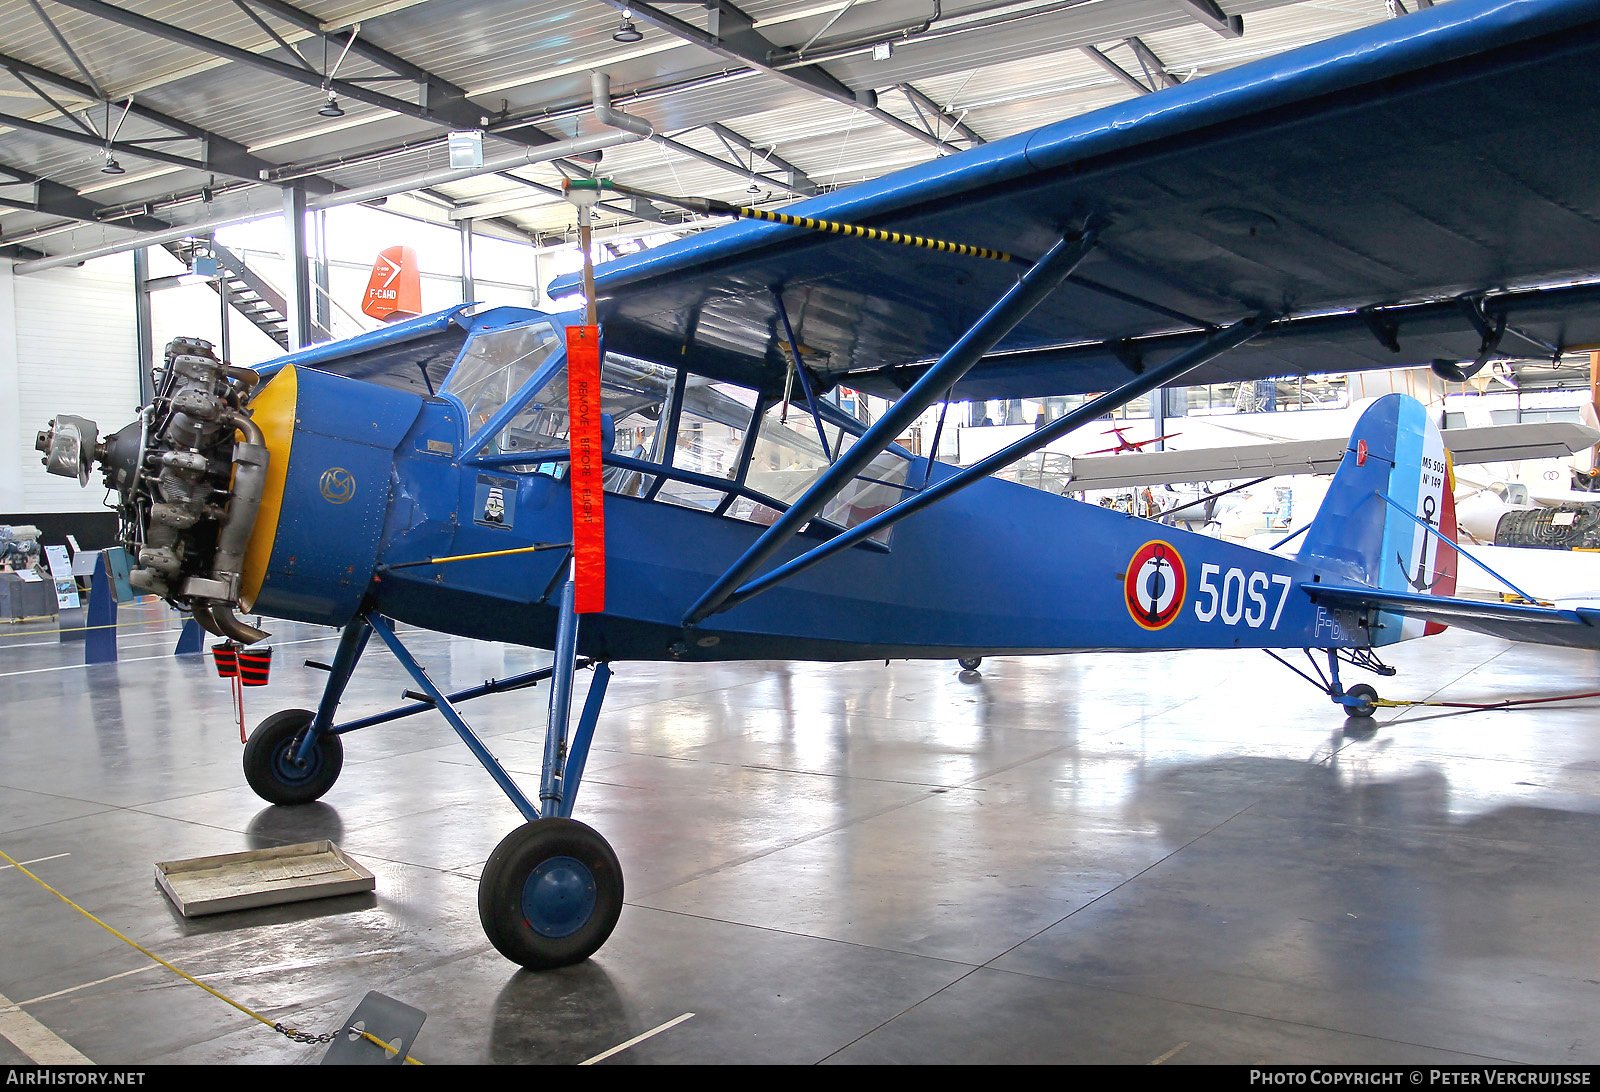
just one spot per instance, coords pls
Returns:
(638, 395)
(711, 427)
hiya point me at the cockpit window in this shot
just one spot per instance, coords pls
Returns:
(710, 439)
(633, 393)
(495, 365)
(789, 456)
(711, 428)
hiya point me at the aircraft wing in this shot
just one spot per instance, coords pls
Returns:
(414, 354)
(1408, 192)
(1491, 444)
(1575, 627)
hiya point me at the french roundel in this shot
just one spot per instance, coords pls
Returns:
(1156, 585)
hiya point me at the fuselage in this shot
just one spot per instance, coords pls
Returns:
(372, 481)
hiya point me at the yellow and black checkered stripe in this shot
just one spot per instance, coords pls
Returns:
(874, 234)
(710, 206)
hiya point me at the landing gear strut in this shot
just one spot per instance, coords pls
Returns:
(551, 892)
(1360, 701)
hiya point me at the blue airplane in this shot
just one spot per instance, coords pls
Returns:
(1420, 191)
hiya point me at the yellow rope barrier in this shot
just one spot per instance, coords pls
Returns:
(180, 973)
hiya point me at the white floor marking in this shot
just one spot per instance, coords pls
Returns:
(36, 860)
(39, 1043)
(136, 659)
(125, 974)
(620, 1047)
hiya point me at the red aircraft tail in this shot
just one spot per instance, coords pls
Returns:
(394, 291)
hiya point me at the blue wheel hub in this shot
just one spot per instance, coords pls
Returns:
(289, 772)
(559, 897)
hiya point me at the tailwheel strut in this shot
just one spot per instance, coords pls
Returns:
(1360, 701)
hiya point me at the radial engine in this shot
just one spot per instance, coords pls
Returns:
(189, 474)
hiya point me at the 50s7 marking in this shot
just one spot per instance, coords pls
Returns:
(1240, 596)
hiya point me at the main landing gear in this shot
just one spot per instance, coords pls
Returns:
(551, 892)
(1359, 702)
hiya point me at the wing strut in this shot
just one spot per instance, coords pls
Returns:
(800, 370)
(1017, 303)
(1165, 375)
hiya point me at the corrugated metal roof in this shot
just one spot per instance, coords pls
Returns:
(522, 60)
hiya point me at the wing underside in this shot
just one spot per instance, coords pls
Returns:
(1421, 189)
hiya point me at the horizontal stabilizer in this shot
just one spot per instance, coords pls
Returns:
(1570, 627)
(1491, 444)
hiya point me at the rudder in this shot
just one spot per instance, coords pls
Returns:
(1395, 452)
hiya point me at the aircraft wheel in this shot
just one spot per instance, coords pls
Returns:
(269, 764)
(551, 893)
(1365, 708)
(970, 663)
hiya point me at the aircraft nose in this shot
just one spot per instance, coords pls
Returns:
(189, 476)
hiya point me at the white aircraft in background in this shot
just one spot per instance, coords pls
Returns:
(1286, 481)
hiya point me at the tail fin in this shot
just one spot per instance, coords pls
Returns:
(394, 291)
(1396, 468)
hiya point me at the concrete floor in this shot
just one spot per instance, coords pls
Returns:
(1099, 858)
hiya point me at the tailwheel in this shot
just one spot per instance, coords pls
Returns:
(271, 766)
(551, 893)
(1366, 706)
(970, 663)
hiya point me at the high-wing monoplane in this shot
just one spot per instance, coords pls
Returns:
(1418, 191)
(1124, 444)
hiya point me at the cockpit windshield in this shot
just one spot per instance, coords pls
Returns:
(495, 365)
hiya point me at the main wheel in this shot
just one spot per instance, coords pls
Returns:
(970, 663)
(269, 759)
(1365, 708)
(551, 893)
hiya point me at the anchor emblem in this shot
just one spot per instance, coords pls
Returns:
(1419, 582)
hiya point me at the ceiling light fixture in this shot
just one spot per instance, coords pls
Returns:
(627, 32)
(331, 109)
(112, 166)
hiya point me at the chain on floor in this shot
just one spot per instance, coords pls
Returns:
(297, 1036)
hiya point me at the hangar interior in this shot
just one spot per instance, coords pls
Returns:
(1171, 858)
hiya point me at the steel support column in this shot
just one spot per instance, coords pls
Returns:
(324, 310)
(144, 328)
(469, 290)
(1017, 303)
(299, 286)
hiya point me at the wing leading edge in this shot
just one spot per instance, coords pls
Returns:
(1417, 190)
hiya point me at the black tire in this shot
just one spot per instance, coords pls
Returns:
(268, 766)
(970, 663)
(1366, 707)
(551, 893)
